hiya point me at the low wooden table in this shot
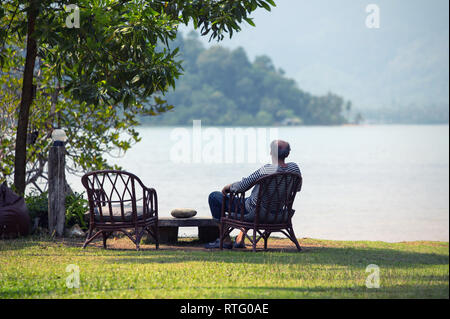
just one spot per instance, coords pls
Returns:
(208, 228)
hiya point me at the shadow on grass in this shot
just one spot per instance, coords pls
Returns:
(395, 291)
(359, 257)
(20, 243)
(192, 251)
(439, 291)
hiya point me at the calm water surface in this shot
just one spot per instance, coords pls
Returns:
(387, 183)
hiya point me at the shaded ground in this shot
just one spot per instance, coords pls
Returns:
(37, 267)
(186, 244)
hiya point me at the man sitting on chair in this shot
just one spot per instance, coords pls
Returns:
(279, 150)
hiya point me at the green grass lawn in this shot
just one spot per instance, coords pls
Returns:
(36, 268)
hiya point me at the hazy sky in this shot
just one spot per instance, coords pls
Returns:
(326, 46)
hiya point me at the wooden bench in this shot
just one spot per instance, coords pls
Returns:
(208, 228)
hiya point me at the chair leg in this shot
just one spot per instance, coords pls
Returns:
(138, 239)
(152, 231)
(91, 238)
(105, 236)
(156, 236)
(221, 227)
(294, 239)
(254, 240)
(88, 236)
(244, 234)
(224, 230)
(266, 238)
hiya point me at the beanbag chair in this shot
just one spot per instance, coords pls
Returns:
(14, 218)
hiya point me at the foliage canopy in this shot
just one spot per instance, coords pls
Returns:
(113, 59)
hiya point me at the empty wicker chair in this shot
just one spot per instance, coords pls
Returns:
(273, 212)
(119, 201)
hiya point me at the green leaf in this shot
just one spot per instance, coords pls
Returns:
(250, 21)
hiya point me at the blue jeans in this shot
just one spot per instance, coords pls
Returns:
(215, 204)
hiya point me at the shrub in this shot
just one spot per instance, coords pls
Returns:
(37, 204)
(76, 207)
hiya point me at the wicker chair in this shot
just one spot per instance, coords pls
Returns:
(273, 212)
(113, 205)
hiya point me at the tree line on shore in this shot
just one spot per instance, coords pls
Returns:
(223, 87)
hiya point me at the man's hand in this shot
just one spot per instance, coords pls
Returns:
(226, 189)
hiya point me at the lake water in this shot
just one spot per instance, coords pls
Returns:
(386, 182)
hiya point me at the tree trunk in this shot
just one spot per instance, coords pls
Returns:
(25, 103)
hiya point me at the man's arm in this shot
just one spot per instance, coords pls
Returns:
(226, 189)
(247, 181)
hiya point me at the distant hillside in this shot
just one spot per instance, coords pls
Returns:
(223, 87)
(398, 73)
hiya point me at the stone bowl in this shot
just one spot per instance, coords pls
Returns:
(183, 213)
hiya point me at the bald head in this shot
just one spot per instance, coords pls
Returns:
(279, 149)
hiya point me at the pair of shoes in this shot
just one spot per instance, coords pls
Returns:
(239, 244)
(216, 244)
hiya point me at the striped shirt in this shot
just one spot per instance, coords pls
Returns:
(250, 202)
